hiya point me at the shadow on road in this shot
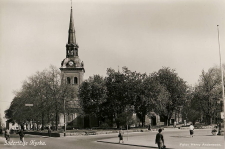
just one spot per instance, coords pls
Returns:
(130, 144)
(181, 136)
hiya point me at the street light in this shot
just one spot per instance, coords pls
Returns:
(64, 110)
(222, 83)
(221, 66)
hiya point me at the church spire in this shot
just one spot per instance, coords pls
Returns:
(71, 37)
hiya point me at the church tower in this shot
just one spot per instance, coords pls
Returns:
(72, 72)
(72, 68)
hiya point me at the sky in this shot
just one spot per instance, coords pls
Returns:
(143, 35)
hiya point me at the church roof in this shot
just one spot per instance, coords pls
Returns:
(72, 37)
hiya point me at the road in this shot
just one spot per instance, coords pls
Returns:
(174, 139)
(70, 142)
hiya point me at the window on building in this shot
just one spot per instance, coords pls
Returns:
(75, 80)
(68, 80)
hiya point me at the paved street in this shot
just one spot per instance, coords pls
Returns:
(173, 138)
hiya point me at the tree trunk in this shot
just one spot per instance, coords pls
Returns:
(117, 125)
(56, 116)
(56, 120)
(143, 120)
(168, 121)
(210, 120)
(42, 121)
(48, 116)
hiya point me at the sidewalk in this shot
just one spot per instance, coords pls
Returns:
(2, 139)
(173, 140)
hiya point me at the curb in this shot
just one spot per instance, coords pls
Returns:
(83, 133)
(129, 144)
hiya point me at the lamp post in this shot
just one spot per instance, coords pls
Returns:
(222, 83)
(221, 69)
(64, 110)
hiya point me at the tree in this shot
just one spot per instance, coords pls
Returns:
(190, 110)
(126, 92)
(116, 95)
(208, 91)
(92, 95)
(46, 92)
(157, 94)
(175, 87)
(143, 103)
(58, 92)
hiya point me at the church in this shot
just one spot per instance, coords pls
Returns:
(72, 72)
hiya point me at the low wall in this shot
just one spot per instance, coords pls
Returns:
(42, 133)
(82, 133)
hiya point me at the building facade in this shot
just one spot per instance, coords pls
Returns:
(72, 72)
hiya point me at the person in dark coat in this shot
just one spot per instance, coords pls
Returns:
(191, 127)
(159, 140)
(49, 131)
(120, 136)
(7, 135)
(21, 134)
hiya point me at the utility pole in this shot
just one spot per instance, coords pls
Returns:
(221, 65)
(222, 83)
(64, 109)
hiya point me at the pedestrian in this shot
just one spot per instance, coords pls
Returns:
(49, 131)
(191, 130)
(159, 140)
(7, 135)
(21, 134)
(175, 124)
(120, 136)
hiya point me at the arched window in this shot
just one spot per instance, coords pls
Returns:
(75, 80)
(68, 80)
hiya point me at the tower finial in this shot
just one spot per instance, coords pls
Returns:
(71, 38)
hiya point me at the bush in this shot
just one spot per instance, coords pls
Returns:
(104, 125)
(68, 127)
(214, 130)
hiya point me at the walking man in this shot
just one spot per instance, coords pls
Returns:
(120, 136)
(159, 140)
(7, 135)
(21, 134)
(49, 131)
(191, 130)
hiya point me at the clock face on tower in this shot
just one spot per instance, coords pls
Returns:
(71, 63)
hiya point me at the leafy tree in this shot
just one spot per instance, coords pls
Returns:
(157, 95)
(142, 102)
(92, 95)
(46, 92)
(176, 88)
(208, 91)
(191, 110)
(127, 92)
(116, 95)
